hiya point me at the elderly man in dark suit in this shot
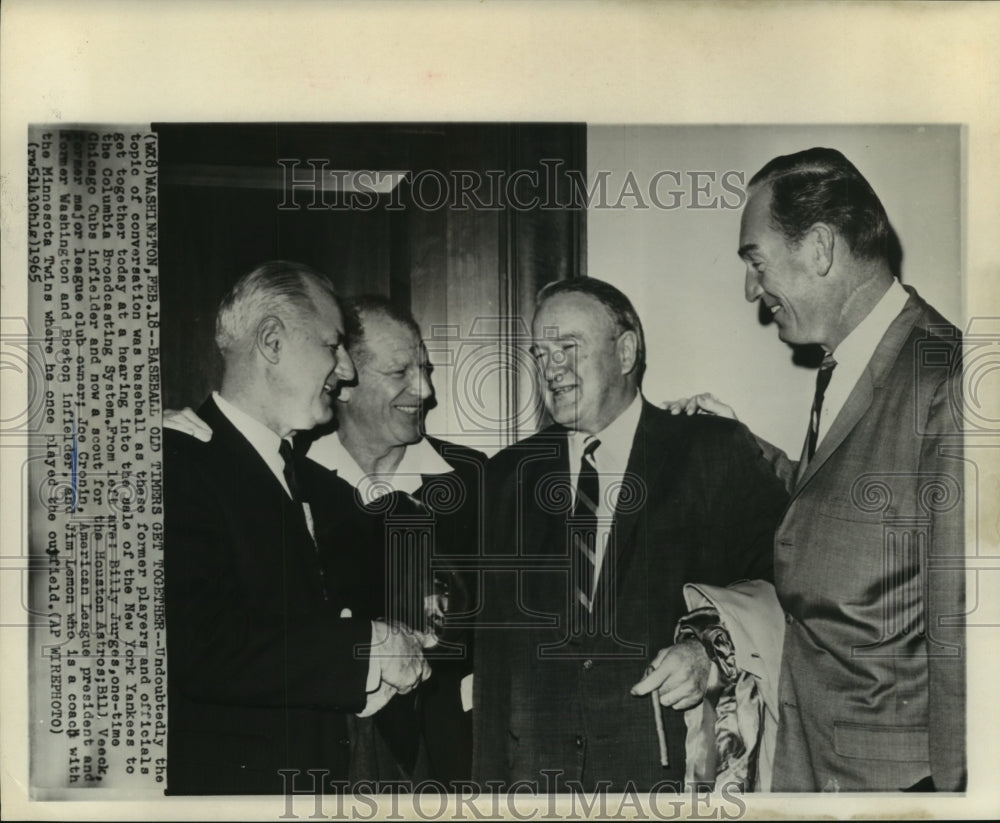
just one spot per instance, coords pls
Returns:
(265, 657)
(595, 524)
(869, 552)
(411, 502)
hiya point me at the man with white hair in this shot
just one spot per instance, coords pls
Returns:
(265, 659)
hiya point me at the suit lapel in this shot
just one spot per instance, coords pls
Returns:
(539, 527)
(251, 473)
(541, 479)
(653, 449)
(857, 403)
(860, 399)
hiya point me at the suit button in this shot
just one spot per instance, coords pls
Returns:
(579, 741)
(344, 741)
(588, 664)
(789, 619)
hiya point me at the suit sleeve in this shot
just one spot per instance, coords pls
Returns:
(943, 465)
(223, 646)
(754, 498)
(783, 467)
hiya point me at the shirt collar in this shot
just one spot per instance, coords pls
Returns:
(265, 442)
(616, 439)
(857, 348)
(331, 454)
(419, 459)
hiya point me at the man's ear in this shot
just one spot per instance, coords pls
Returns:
(270, 339)
(821, 240)
(628, 351)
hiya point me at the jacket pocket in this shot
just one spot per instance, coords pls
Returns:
(875, 742)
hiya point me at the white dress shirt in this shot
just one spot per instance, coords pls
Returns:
(854, 352)
(418, 460)
(610, 460)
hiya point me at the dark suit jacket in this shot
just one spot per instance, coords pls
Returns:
(868, 567)
(262, 668)
(444, 519)
(700, 504)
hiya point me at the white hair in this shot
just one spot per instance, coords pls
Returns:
(275, 288)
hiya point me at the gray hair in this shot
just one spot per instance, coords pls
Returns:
(277, 287)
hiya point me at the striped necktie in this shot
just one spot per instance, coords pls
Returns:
(822, 381)
(585, 525)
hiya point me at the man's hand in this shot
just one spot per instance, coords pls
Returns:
(187, 422)
(398, 651)
(681, 672)
(704, 403)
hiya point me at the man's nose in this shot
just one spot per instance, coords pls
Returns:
(422, 386)
(553, 366)
(752, 289)
(345, 366)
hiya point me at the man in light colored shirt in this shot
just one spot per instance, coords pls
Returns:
(594, 524)
(869, 553)
(431, 491)
(265, 659)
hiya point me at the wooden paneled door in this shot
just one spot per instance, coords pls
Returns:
(460, 222)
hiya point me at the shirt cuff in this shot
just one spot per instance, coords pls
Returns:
(374, 669)
(378, 692)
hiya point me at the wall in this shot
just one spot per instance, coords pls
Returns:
(225, 208)
(679, 263)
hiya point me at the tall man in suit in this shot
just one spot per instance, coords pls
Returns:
(868, 555)
(595, 523)
(265, 659)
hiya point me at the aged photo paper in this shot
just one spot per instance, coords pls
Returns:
(465, 156)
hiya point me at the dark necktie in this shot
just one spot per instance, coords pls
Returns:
(822, 381)
(288, 455)
(291, 476)
(585, 525)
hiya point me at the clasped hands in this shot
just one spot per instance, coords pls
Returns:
(681, 672)
(398, 653)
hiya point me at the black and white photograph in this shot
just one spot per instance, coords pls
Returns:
(550, 460)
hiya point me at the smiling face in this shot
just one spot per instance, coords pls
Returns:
(313, 363)
(783, 276)
(586, 364)
(388, 404)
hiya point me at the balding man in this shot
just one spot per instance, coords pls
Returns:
(594, 525)
(417, 492)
